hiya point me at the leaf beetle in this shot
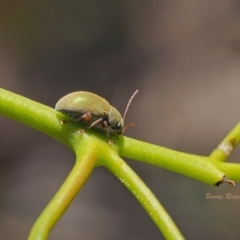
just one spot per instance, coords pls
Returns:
(91, 109)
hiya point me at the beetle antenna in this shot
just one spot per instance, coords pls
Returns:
(128, 125)
(129, 102)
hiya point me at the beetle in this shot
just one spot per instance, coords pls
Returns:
(91, 109)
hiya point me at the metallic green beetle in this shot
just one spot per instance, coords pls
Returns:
(92, 109)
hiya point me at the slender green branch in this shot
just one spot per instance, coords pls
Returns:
(86, 160)
(227, 145)
(142, 193)
(232, 170)
(33, 114)
(197, 167)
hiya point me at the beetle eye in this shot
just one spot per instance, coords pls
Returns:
(119, 126)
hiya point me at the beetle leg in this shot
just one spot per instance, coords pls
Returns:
(95, 123)
(105, 126)
(92, 125)
(85, 118)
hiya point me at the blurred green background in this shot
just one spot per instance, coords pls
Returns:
(183, 56)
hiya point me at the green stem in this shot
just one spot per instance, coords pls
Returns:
(232, 170)
(86, 160)
(197, 167)
(227, 145)
(142, 193)
(35, 115)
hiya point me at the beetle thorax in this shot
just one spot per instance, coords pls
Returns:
(115, 119)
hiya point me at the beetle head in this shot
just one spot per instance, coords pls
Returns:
(115, 119)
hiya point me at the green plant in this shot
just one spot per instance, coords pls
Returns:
(92, 150)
